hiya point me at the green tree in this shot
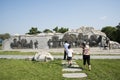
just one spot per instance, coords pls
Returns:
(110, 32)
(118, 33)
(47, 31)
(56, 29)
(60, 30)
(63, 30)
(4, 36)
(118, 26)
(33, 31)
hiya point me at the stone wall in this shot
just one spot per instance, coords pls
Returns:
(26, 42)
(56, 40)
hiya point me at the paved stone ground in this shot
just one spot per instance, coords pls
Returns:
(93, 50)
(74, 75)
(72, 72)
(57, 57)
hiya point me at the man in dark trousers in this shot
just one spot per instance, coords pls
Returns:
(65, 49)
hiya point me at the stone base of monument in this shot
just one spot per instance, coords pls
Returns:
(43, 56)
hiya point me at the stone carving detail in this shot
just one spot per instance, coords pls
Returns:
(42, 56)
(56, 40)
(21, 44)
(71, 38)
(93, 40)
(78, 36)
(36, 44)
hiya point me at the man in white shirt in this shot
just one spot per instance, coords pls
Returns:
(65, 49)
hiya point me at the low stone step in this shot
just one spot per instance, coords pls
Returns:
(74, 75)
(71, 69)
(75, 65)
(65, 62)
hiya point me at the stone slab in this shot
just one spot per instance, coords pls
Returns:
(65, 62)
(71, 69)
(75, 65)
(74, 75)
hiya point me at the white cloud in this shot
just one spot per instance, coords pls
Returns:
(103, 17)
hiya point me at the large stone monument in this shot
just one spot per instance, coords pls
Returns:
(56, 40)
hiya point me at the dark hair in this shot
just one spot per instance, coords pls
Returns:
(65, 41)
(69, 46)
(83, 44)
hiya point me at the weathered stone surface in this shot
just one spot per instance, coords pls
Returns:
(65, 62)
(74, 75)
(75, 65)
(114, 45)
(26, 42)
(71, 69)
(43, 56)
(56, 40)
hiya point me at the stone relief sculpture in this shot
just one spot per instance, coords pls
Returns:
(21, 44)
(36, 44)
(74, 37)
(55, 42)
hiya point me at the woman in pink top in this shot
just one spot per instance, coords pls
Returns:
(86, 55)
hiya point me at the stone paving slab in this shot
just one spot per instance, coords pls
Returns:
(71, 69)
(58, 57)
(75, 65)
(74, 75)
(92, 57)
(93, 50)
(65, 62)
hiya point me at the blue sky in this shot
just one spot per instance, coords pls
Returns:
(18, 16)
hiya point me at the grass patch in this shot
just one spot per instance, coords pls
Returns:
(28, 70)
(53, 53)
(16, 53)
(56, 53)
(0, 46)
(103, 69)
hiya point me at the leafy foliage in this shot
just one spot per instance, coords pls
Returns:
(113, 33)
(118, 33)
(56, 29)
(47, 31)
(61, 30)
(4, 36)
(33, 30)
(110, 32)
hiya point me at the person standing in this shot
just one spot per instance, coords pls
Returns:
(65, 49)
(86, 55)
(70, 55)
(36, 44)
